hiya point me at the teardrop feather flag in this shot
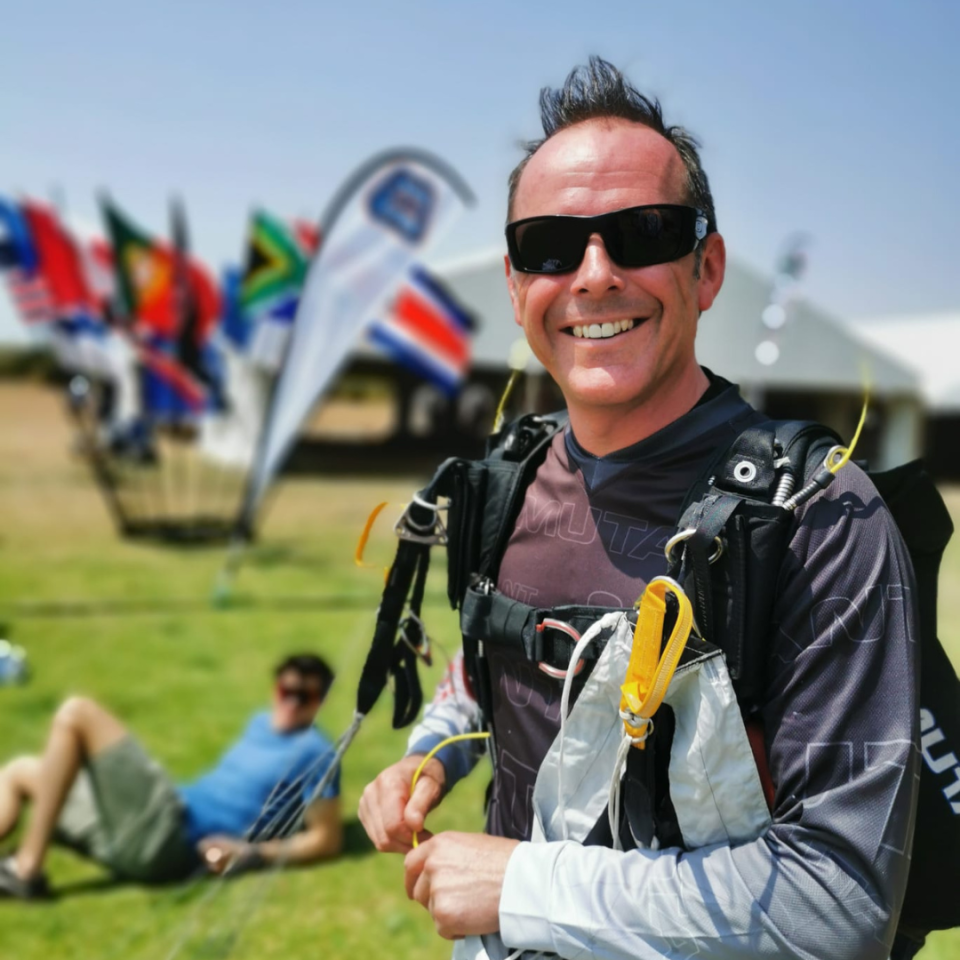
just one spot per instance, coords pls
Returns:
(380, 221)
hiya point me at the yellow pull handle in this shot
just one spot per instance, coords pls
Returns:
(649, 672)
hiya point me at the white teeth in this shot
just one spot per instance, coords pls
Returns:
(602, 331)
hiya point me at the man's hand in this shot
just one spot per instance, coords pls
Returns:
(458, 877)
(387, 811)
(221, 853)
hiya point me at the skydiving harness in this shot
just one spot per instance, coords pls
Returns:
(732, 534)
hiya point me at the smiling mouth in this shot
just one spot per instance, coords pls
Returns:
(603, 331)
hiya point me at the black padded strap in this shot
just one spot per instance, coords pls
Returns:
(498, 620)
(707, 518)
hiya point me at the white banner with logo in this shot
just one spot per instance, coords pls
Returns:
(383, 219)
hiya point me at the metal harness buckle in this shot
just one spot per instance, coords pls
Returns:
(406, 529)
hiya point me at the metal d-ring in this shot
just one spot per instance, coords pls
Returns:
(563, 627)
(686, 534)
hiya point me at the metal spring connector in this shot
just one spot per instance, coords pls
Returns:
(784, 487)
(821, 481)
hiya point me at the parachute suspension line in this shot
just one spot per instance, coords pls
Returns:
(484, 735)
(228, 572)
(288, 794)
(252, 904)
(606, 622)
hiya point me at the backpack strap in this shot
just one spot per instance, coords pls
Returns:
(484, 498)
(732, 534)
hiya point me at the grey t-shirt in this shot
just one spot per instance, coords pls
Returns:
(591, 531)
(839, 718)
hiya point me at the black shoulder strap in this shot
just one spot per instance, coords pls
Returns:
(483, 496)
(731, 536)
(486, 495)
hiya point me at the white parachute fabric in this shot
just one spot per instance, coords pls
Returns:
(714, 784)
(382, 220)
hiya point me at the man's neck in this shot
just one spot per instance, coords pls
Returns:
(603, 430)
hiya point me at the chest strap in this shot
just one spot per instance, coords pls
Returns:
(497, 621)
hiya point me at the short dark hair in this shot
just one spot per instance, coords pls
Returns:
(600, 91)
(308, 665)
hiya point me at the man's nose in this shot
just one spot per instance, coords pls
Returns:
(597, 273)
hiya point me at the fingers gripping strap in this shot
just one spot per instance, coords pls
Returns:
(649, 671)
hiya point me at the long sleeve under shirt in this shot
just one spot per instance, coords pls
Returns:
(827, 879)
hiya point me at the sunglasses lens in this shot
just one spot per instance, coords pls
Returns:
(551, 245)
(647, 235)
(299, 696)
(635, 237)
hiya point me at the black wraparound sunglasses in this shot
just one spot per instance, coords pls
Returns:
(634, 237)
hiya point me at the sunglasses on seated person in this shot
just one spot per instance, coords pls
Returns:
(302, 696)
(634, 237)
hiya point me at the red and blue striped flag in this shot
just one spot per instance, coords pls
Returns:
(427, 331)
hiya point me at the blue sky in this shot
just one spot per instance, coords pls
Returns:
(837, 119)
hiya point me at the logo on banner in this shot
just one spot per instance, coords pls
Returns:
(404, 203)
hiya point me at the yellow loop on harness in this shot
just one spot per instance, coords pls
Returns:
(365, 536)
(649, 672)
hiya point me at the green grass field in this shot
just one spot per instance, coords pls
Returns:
(133, 626)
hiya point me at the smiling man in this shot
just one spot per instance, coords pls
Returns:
(613, 255)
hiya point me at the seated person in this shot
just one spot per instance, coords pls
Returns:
(96, 790)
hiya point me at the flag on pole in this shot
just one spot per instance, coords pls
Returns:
(144, 269)
(427, 331)
(174, 304)
(30, 296)
(379, 222)
(18, 261)
(59, 263)
(278, 255)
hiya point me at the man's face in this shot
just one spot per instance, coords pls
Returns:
(588, 169)
(296, 699)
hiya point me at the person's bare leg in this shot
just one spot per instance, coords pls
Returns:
(81, 728)
(18, 781)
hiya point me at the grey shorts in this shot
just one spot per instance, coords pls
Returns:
(125, 812)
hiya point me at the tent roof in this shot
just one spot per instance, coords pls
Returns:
(816, 351)
(924, 342)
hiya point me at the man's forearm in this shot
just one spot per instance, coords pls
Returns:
(779, 896)
(307, 847)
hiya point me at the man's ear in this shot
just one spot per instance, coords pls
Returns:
(512, 289)
(713, 266)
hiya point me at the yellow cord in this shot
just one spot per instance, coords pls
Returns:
(434, 752)
(848, 452)
(365, 536)
(507, 390)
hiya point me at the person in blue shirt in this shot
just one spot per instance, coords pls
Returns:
(96, 789)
